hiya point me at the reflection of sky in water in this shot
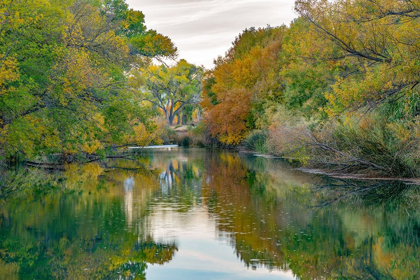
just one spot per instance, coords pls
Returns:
(128, 198)
(214, 216)
(203, 252)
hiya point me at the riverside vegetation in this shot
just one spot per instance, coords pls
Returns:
(65, 78)
(83, 80)
(338, 88)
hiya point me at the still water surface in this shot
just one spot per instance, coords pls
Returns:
(200, 214)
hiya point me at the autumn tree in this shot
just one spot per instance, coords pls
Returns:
(171, 89)
(243, 84)
(63, 87)
(378, 40)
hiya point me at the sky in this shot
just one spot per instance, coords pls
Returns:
(205, 29)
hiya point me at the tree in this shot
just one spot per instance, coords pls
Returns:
(378, 39)
(243, 84)
(170, 89)
(63, 83)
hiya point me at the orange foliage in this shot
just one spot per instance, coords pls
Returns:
(228, 119)
(243, 84)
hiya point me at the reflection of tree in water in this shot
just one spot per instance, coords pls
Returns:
(167, 179)
(355, 231)
(230, 198)
(392, 250)
(335, 230)
(180, 182)
(78, 225)
(368, 193)
(74, 252)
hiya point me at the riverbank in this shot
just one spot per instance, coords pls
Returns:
(339, 150)
(326, 105)
(373, 148)
(258, 143)
(331, 172)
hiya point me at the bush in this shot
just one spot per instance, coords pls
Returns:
(185, 141)
(362, 143)
(194, 137)
(392, 146)
(169, 136)
(257, 141)
(198, 130)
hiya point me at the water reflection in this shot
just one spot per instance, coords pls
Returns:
(197, 214)
(128, 199)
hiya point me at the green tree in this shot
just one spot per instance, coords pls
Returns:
(63, 87)
(171, 89)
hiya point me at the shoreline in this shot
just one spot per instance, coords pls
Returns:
(331, 173)
(310, 170)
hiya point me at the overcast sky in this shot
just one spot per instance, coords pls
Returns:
(204, 29)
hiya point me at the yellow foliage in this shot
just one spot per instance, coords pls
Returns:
(8, 71)
(91, 147)
(377, 52)
(9, 271)
(142, 137)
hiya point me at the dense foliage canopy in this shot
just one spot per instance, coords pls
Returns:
(340, 85)
(171, 89)
(63, 87)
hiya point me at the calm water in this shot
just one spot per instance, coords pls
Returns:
(197, 214)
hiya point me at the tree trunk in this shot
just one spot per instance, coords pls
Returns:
(198, 115)
(168, 118)
(171, 120)
(184, 119)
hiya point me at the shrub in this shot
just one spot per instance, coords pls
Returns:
(257, 141)
(169, 136)
(198, 130)
(185, 141)
(361, 143)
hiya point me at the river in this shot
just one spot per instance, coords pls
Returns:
(204, 214)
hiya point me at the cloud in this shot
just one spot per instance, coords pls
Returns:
(204, 29)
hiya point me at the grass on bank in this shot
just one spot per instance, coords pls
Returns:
(370, 144)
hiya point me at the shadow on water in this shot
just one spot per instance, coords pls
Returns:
(109, 220)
